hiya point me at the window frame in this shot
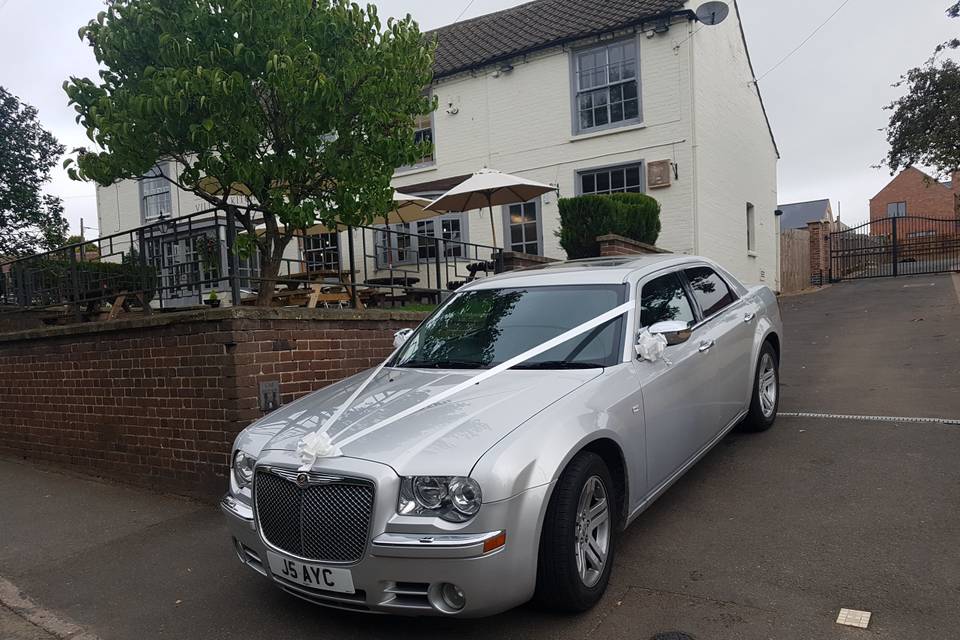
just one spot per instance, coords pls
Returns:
(414, 248)
(640, 164)
(153, 174)
(685, 287)
(693, 296)
(432, 161)
(308, 251)
(507, 225)
(899, 208)
(575, 91)
(751, 229)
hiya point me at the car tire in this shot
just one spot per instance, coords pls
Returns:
(765, 394)
(568, 578)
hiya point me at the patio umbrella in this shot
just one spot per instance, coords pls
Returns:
(489, 187)
(406, 208)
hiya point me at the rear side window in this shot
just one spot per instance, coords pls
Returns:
(664, 299)
(709, 290)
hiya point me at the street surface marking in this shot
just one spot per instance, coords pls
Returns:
(840, 416)
(11, 598)
(854, 618)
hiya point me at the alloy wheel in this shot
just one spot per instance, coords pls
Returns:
(767, 385)
(592, 531)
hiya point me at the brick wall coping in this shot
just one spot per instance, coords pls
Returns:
(211, 315)
(527, 257)
(648, 248)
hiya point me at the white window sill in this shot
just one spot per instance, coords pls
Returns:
(752, 254)
(607, 132)
(414, 171)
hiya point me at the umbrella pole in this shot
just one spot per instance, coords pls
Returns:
(493, 229)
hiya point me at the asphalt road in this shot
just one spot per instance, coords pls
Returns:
(767, 537)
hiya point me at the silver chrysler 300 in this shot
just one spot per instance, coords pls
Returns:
(497, 453)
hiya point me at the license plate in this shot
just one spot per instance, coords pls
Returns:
(314, 576)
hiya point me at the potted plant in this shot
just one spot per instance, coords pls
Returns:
(213, 300)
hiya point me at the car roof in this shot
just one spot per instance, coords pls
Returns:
(613, 270)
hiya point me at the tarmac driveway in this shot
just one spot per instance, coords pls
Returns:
(768, 537)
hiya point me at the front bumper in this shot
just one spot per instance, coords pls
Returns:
(402, 569)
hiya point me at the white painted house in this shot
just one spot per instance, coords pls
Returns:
(623, 95)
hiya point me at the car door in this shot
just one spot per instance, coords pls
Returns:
(725, 338)
(671, 386)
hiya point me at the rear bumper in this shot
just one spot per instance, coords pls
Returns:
(402, 569)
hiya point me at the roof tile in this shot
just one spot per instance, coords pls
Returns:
(527, 27)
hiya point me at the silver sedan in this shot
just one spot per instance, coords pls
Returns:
(493, 457)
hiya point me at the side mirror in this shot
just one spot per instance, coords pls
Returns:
(400, 337)
(674, 331)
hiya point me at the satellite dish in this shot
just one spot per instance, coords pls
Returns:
(711, 13)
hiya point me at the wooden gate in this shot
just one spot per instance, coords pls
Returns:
(794, 260)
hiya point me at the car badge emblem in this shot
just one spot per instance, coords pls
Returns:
(303, 480)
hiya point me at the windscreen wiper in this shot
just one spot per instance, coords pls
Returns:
(441, 364)
(558, 364)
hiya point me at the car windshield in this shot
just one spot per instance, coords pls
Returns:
(484, 328)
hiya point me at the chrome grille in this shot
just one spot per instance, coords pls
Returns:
(328, 521)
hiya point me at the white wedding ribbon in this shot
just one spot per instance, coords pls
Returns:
(328, 447)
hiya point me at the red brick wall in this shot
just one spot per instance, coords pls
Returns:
(924, 196)
(615, 245)
(158, 401)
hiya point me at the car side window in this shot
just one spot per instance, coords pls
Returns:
(709, 290)
(664, 299)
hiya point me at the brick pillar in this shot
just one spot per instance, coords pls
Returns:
(819, 253)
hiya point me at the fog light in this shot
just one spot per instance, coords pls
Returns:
(452, 596)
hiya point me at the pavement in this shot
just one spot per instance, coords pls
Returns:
(767, 537)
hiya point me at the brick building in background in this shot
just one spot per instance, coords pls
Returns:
(914, 194)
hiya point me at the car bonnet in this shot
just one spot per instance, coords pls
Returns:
(445, 438)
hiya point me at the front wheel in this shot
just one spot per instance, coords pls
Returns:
(576, 546)
(765, 399)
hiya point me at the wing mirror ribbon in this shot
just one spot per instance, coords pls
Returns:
(653, 341)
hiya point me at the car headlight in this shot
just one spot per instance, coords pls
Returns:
(243, 468)
(452, 498)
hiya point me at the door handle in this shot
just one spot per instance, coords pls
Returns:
(706, 345)
(749, 316)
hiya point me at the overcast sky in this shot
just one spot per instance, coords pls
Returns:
(825, 103)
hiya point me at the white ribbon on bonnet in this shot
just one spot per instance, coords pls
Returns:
(319, 444)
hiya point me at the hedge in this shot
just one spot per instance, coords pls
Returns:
(584, 218)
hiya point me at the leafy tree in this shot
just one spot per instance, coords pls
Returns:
(89, 247)
(281, 111)
(30, 221)
(924, 128)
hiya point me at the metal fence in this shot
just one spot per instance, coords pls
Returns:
(895, 246)
(202, 258)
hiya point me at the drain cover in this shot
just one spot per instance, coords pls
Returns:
(672, 635)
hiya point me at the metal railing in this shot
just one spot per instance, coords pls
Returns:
(177, 262)
(894, 246)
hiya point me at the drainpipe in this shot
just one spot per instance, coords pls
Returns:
(694, 147)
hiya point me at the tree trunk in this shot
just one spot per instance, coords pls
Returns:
(270, 261)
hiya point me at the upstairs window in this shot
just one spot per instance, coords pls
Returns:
(423, 132)
(607, 86)
(897, 210)
(155, 194)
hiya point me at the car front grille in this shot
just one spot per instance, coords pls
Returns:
(328, 520)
